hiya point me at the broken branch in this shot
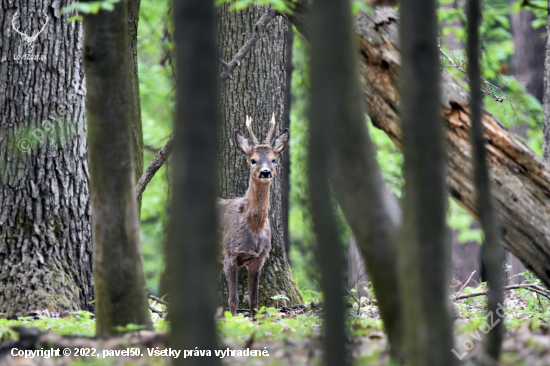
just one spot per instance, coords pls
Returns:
(258, 27)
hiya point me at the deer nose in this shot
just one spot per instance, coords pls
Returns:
(265, 174)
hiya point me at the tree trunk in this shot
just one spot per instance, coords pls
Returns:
(192, 246)
(546, 99)
(45, 216)
(118, 268)
(521, 179)
(137, 132)
(492, 251)
(285, 196)
(427, 335)
(527, 63)
(335, 101)
(258, 90)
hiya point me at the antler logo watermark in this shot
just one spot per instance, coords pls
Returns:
(28, 41)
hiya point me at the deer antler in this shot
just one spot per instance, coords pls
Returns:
(41, 30)
(249, 127)
(272, 122)
(15, 16)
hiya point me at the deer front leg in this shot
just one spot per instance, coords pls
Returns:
(254, 271)
(230, 268)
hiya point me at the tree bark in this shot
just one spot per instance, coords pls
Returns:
(424, 236)
(118, 268)
(492, 252)
(192, 246)
(45, 216)
(257, 90)
(546, 99)
(334, 101)
(137, 132)
(285, 186)
(520, 178)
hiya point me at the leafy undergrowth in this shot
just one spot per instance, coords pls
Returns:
(284, 338)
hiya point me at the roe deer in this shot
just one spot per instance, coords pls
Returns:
(246, 232)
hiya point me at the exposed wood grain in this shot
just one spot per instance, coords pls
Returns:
(521, 179)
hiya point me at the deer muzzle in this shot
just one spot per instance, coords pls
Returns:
(265, 174)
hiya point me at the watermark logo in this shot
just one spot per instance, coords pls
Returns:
(485, 328)
(39, 134)
(28, 41)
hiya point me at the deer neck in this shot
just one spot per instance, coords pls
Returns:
(257, 198)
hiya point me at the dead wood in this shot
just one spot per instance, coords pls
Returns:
(520, 178)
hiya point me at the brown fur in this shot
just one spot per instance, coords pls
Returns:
(244, 221)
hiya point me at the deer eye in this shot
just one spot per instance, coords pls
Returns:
(253, 161)
(274, 161)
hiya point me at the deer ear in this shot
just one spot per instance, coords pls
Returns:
(280, 142)
(242, 142)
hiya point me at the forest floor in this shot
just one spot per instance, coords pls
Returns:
(280, 338)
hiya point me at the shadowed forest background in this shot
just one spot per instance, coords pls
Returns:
(500, 64)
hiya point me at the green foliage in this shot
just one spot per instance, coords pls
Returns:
(90, 7)
(302, 249)
(459, 219)
(80, 323)
(157, 106)
(389, 158)
(130, 328)
(268, 326)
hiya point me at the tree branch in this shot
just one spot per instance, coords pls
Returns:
(488, 85)
(465, 283)
(258, 27)
(153, 167)
(529, 287)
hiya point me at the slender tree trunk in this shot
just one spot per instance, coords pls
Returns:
(137, 132)
(193, 240)
(371, 210)
(493, 253)
(45, 217)
(285, 186)
(258, 90)
(118, 268)
(332, 69)
(424, 236)
(546, 100)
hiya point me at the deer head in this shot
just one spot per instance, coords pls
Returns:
(29, 40)
(262, 158)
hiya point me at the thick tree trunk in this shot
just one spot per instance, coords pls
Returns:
(258, 90)
(118, 267)
(45, 216)
(521, 179)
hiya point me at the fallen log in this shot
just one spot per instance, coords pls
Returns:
(521, 179)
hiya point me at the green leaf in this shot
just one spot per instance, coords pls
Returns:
(78, 18)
